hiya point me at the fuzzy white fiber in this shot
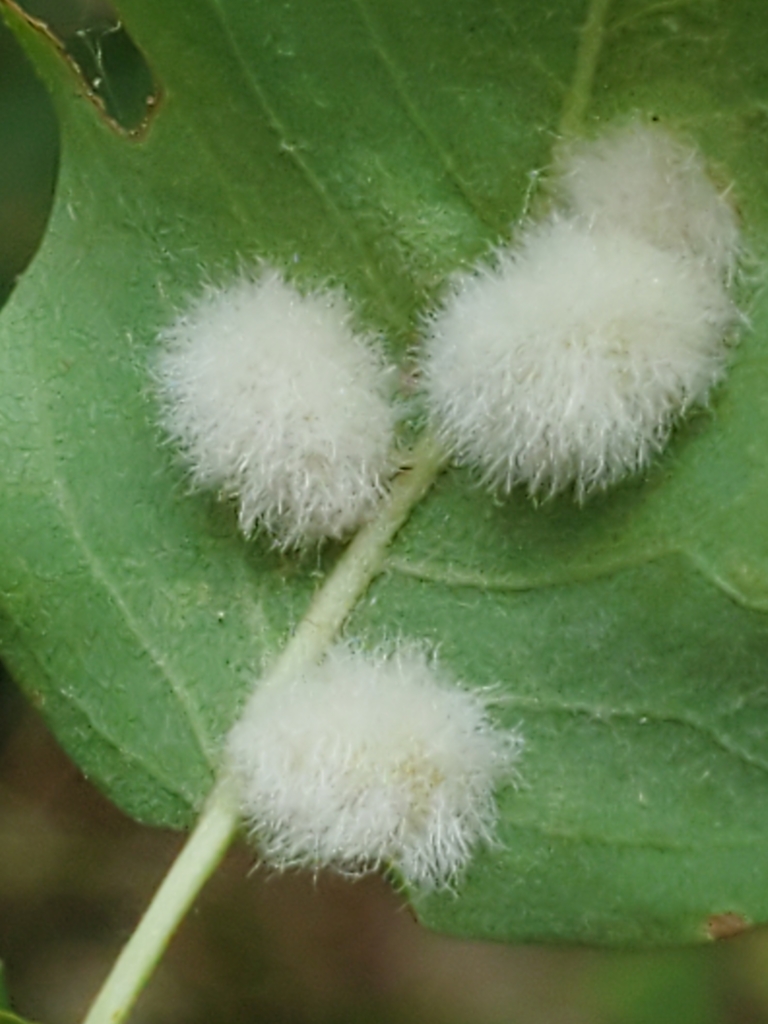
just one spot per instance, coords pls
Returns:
(639, 178)
(273, 399)
(568, 360)
(367, 761)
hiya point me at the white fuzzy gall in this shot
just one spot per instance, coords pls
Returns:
(274, 400)
(569, 361)
(367, 761)
(639, 178)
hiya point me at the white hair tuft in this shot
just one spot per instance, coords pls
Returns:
(568, 361)
(639, 178)
(367, 761)
(273, 399)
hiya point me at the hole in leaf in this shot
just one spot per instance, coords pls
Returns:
(29, 156)
(726, 926)
(112, 66)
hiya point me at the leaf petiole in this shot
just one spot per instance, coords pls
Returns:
(200, 856)
(219, 822)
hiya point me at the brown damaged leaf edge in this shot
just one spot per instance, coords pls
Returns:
(152, 101)
(726, 926)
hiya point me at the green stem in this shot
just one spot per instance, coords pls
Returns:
(359, 565)
(218, 824)
(580, 93)
(198, 859)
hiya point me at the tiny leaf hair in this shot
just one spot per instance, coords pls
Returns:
(273, 399)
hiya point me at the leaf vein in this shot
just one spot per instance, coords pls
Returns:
(126, 755)
(416, 118)
(99, 573)
(450, 576)
(581, 837)
(641, 716)
(315, 183)
(170, 785)
(526, 53)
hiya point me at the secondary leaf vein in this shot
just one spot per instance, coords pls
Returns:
(100, 574)
(414, 115)
(450, 576)
(578, 837)
(313, 180)
(605, 715)
(68, 696)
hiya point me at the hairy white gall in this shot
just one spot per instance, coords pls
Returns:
(568, 360)
(367, 761)
(273, 399)
(639, 178)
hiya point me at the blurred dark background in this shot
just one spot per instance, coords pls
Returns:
(75, 873)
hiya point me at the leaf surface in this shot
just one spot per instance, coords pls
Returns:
(382, 145)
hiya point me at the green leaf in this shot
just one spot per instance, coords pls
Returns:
(28, 143)
(382, 144)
